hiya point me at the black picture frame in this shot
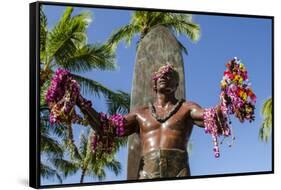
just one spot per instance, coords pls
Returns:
(34, 93)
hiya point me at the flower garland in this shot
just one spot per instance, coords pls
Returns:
(237, 98)
(61, 98)
(112, 127)
(162, 71)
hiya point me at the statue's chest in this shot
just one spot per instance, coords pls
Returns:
(150, 123)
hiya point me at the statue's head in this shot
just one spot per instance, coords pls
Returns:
(166, 79)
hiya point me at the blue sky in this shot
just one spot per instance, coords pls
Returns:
(222, 38)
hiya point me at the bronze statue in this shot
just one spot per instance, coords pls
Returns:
(164, 127)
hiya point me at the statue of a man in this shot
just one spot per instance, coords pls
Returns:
(164, 127)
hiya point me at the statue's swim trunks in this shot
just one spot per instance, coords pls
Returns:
(164, 163)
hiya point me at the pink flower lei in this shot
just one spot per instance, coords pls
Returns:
(112, 127)
(237, 98)
(162, 71)
(61, 98)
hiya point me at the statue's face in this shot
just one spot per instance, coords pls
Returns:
(166, 79)
(167, 83)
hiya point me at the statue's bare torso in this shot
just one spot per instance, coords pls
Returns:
(171, 134)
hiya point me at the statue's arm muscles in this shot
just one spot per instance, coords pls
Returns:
(131, 124)
(91, 114)
(196, 113)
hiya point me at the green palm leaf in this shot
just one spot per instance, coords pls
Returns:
(265, 129)
(83, 145)
(74, 152)
(114, 166)
(43, 91)
(48, 172)
(143, 21)
(43, 33)
(68, 35)
(126, 32)
(89, 57)
(118, 102)
(57, 129)
(66, 167)
(50, 146)
(91, 86)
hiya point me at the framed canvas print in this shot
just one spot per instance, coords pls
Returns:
(122, 94)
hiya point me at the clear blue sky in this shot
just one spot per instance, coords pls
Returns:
(222, 38)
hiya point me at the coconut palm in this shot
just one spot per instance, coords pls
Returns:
(89, 163)
(143, 21)
(265, 130)
(66, 46)
(49, 146)
(58, 163)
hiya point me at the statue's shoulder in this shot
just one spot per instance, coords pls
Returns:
(189, 105)
(141, 109)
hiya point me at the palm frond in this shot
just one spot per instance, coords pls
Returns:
(267, 108)
(89, 57)
(43, 33)
(43, 91)
(74, 152)
(143, 21)
(114, 166)
(68, 35)
(66, 167)
(265, 129)
(50, 146)
(125, 32)
(91, 86)
(118, 102)
(56, 129)
(83, 144)
(49, 173)
(182, 24)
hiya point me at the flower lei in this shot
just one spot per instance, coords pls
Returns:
(237, 98)
(61, 98)
(162, 71)
(112, 127)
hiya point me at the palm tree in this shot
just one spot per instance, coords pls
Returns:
(66, 46)
(89, 163)
(58, 163)
(143, 21)
(49, 146)
(265, 130)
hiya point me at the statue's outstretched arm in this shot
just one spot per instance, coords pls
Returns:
(90, 113)
(93, 117)
(131, 124)
(197, 115)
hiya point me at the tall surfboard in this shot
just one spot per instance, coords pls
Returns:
(157, 48)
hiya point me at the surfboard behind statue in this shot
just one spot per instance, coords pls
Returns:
(157, 48)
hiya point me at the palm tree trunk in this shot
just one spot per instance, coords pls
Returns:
(82, 175)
